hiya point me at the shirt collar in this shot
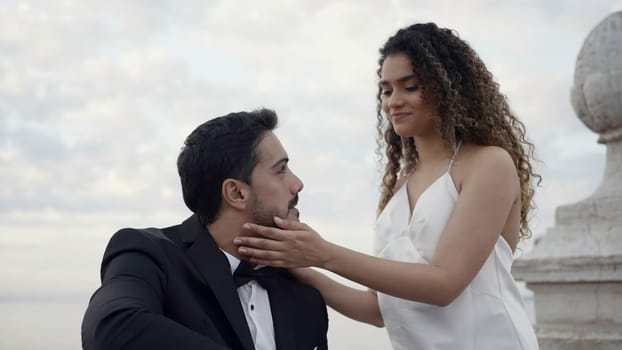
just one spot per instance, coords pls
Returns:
(233, 261)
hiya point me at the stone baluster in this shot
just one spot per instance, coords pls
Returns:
(575, 271)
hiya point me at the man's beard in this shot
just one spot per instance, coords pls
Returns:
(264, 215)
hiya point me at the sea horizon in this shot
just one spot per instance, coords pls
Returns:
(52, 321)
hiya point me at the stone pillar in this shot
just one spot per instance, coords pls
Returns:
(575, 271)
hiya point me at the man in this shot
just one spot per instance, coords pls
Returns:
(175, 288)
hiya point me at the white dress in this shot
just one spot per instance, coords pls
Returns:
(488, 315)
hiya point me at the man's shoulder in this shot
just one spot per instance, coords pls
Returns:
(150, 239)
(139, 236)
(152, 233)
(158, 245)
(169, 234)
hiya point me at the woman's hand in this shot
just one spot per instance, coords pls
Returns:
(291, 244)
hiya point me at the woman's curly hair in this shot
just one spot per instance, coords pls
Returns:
(470, 106)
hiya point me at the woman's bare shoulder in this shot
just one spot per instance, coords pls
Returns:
(483, 161)
(486, 158)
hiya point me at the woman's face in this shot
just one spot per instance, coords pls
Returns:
(402, 99)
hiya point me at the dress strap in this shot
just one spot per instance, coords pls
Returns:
(453, 157)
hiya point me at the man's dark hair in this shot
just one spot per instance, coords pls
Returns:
(219, 149)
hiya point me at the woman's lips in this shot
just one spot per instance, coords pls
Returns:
(399, 116)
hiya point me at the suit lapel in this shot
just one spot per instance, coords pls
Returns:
(281, 319)
(216, 272)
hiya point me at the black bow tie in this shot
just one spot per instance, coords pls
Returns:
(245, 273)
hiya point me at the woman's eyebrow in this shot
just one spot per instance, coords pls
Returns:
(400, 80)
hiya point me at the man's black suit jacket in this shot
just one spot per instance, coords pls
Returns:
(172, 288)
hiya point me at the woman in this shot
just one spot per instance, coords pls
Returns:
(454, 202)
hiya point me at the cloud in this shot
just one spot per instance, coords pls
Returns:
(96, 99)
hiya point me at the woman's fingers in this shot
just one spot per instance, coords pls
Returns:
(273, 233)
(262, 254)
(294, 244)
(286, 230)
(291, 225)
(273, 263)
(257, 244)
(265, 257)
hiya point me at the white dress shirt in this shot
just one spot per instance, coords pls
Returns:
(256, 305)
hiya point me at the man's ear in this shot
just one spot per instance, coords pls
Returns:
(235, 193)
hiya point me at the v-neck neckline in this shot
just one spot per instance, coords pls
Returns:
(412, 211)
(447, 172)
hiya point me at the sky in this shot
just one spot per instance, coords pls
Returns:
(96, 98)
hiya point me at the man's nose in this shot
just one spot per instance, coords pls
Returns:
(298, 185)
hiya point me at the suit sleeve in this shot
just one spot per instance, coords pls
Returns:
(324, 343)
(126, 311)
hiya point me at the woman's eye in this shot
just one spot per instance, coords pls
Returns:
(386, 93)
(412, 88)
